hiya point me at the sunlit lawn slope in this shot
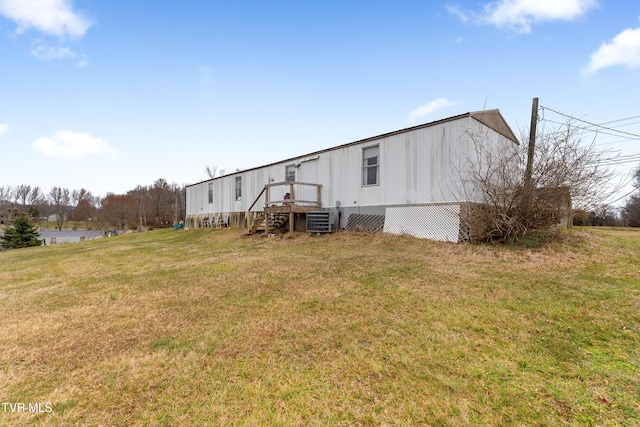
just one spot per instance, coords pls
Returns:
(186, 328)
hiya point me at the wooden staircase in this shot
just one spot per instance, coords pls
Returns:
(258, 223)
(276, 221)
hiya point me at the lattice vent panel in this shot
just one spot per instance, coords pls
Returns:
(365, 222)
(434, 222)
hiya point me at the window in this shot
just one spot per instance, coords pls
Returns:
(238, 188)
(211, 192)
(290, 173)
(370, 165)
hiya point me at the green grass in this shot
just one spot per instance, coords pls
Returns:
(216, 328)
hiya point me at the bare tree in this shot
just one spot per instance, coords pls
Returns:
(36, 197)
(22, 192)
(568, 172)
(162, 197)
(141, 196)
(81, 200)
(6, 208)
(180, 202)
(630, 212)
(14, 198)
(36, 203)
(6, 194)
(603, 215)
(119, 210)
(211, 171)
(96, 205)
(60, 199)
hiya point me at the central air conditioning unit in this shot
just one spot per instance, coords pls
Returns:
(319, 222)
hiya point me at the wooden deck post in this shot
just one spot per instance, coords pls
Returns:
(291, 214)
(291, 193)
(266, 205)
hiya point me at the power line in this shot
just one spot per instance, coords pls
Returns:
(615, 127)
(620, 198)
(617, 161)
(621, 120)
(612, 131)
(615, 142)
(592, 124)
(612, 161)
(627, 124)
(591, 130)
(620, 162)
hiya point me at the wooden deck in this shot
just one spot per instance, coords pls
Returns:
(291, 210)
(286, 207)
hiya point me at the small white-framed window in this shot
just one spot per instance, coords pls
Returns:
(290, 173)
(370, 165)
(238, 187)
(210, 192)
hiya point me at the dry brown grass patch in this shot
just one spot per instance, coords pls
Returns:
(215, 328)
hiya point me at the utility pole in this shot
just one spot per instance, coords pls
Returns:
(175, 210)
(532, 143)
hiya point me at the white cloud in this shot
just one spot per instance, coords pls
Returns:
(426, 109)
(624, 49)
(457, 11)
(67, 144)
(48, 53)
(45, 52)
(520, 15)
(83, 61)
(3, 128)
(52, 17)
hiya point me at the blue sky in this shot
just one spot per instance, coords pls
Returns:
(108, 95)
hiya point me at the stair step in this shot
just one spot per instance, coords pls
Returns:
(275, 221)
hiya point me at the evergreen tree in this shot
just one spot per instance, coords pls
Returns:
(21, 234)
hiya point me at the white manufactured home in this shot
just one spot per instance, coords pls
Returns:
(411, 181)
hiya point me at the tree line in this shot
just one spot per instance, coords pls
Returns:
(157, 205)
(630, 212)
(627, 215)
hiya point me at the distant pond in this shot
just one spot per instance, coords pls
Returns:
(73, 236)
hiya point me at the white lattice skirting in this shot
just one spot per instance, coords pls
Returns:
(434, 222)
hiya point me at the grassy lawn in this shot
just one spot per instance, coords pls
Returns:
(192, 328)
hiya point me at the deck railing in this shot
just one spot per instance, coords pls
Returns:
(302, 197)
(299, 194)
